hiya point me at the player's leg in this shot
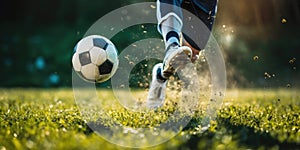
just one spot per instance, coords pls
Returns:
(169, 19)
(169, 25)
(205, 10)
(169, 16)
(157, 89)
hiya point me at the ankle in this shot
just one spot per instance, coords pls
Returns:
(160, 77)
(172, 45)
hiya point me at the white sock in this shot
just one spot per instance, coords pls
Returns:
(170, 30)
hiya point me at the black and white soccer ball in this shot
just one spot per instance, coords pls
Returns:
(95, 59)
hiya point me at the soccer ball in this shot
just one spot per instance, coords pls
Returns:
(95, 59)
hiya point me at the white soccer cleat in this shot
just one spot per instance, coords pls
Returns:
(175, 57)
(157, 91)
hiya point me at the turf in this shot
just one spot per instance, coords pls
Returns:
(248, 119)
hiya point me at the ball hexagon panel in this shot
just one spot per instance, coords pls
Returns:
(106, 67)
(84, 45)
(90, 72)
(111, 53)
(76, 62)
(98, 56)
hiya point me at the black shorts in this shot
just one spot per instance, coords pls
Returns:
(197, 18)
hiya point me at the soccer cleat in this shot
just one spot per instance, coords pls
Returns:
(175, 57)
(157, 91)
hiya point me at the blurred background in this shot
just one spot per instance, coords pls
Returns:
(260, 40)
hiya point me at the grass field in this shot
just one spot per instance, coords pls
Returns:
(248, 119)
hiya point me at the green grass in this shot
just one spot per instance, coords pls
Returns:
(248, 119)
